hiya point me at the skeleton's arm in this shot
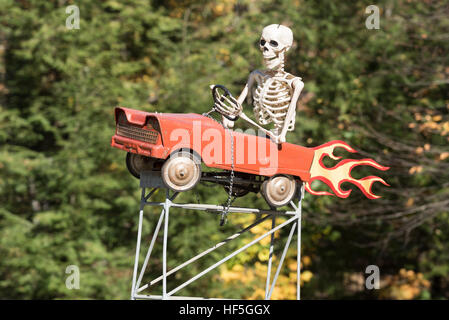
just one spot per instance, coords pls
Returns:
(230, 124)
(246, 118)
(298, 85)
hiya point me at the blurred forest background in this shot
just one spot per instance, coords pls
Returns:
(66, 197)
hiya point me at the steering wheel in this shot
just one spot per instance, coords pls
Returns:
(229, 112)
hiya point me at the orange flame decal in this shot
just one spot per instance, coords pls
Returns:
(341, 172)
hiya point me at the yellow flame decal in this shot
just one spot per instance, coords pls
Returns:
(341, 172)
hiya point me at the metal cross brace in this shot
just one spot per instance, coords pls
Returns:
(294, 220)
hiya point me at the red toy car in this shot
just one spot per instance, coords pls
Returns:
(177, 144)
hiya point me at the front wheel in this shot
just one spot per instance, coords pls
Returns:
(181, 171)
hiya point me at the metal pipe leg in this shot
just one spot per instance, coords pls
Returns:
(298, 261)
(150, 250)
(298, 248)
(270, 259)
(284, 253)
(164, 252)
(139, 236)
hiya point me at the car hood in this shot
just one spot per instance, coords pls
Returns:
(168, 119)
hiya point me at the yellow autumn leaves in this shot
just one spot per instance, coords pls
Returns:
(430, 122)
(223, 7)
(406, 285)
(252, 267)
(254, 277)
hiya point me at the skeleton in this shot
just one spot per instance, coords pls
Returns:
(274, 92)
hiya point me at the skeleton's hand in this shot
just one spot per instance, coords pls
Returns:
(228, 123)
(225, 103)
(280, 139)
(277, 139)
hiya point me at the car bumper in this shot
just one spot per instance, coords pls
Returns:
(139, 147)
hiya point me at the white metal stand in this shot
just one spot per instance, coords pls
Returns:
(151, 180)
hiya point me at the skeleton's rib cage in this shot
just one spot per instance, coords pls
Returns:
(271, 100)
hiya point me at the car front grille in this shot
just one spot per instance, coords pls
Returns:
(136, 133)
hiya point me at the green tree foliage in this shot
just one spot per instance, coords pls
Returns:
(67, 198)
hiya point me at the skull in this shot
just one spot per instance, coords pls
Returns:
(275, 40)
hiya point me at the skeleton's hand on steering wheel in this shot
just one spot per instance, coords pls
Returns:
(226, 104)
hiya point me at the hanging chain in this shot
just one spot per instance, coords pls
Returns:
(230, 200)
(231, 183)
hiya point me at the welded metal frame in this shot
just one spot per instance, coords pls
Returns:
(152, 181)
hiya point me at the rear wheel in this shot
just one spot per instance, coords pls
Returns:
(137, 163)
(181, 171)
(279, 190)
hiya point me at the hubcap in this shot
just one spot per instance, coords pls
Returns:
(279, 190)
(181, 173)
